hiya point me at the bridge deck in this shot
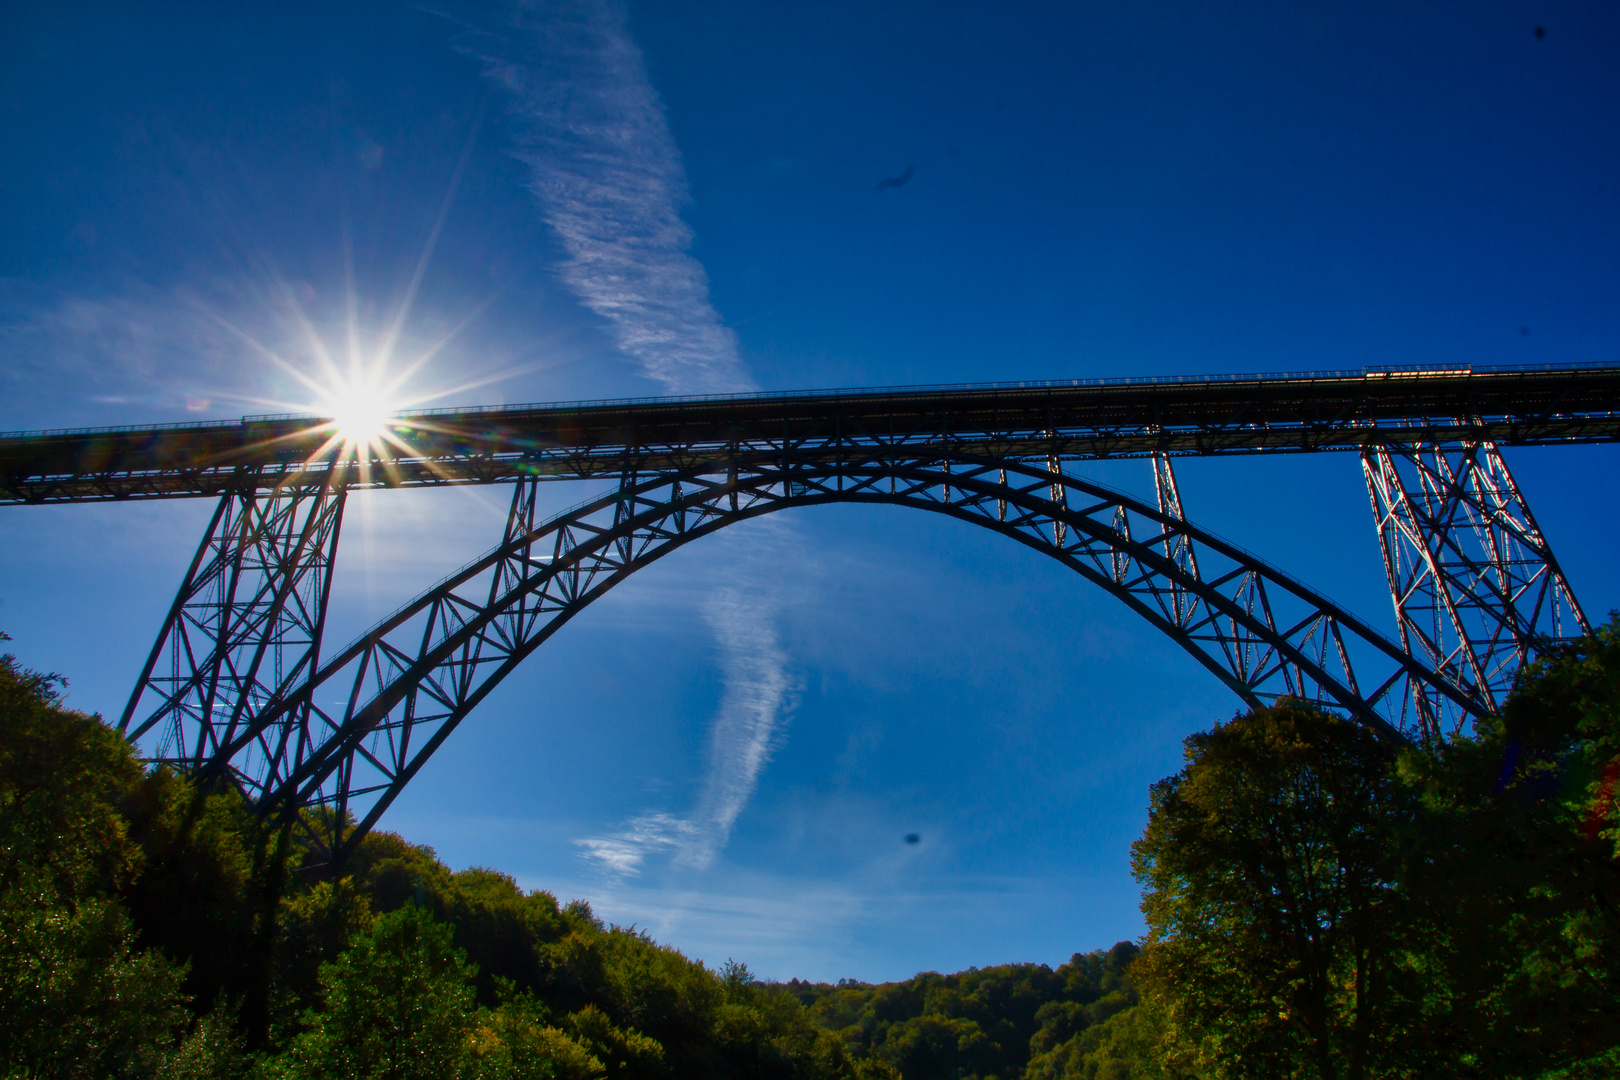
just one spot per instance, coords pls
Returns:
(1077, 420)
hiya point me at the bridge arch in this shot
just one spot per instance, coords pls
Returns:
(409, 681)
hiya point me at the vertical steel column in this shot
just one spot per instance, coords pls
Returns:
(386, 753)
(519, 524)
(1060, 497)
(1476, 588)
(1248, 657)
(1121, 561)
(1178, 546)
(245, 626)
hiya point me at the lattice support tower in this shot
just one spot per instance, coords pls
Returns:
(244, 629)
(1477, 590)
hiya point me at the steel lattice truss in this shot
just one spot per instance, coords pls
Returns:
(1477, 590)
(235, 689)
(1216, 416)
(245, 629)
(403, 687)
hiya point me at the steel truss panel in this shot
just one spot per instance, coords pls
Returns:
(244, 630)
(406, 684)
(230, 689)
(1124, 418)
(1476, 588)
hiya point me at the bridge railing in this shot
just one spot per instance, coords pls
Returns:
(1382, 371)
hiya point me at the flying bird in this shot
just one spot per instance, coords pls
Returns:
(897, 181)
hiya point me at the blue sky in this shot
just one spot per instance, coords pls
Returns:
(574, 200)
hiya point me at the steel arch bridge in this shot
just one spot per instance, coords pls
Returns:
(236, 689)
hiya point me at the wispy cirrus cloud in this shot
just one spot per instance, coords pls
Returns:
(760, 690)
(82, 359)
(608, 175)
(621, 854)
(759, 693)
(592, 130)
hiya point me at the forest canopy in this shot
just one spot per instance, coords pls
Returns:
(1320, 904)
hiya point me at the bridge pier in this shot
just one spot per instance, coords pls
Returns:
(1477, 590)
(244, 629)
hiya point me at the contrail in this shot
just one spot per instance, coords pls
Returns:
(759, 692)
(609, 179)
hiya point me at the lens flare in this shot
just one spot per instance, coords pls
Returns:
(361, 414)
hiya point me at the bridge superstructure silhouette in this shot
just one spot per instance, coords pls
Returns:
(238, 687)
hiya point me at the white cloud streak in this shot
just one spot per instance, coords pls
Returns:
(608, 175)
(760, 692)
(606, 169)
(759, 695)
(623, 853)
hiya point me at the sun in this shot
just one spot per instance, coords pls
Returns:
(361, 415)
(361, 397)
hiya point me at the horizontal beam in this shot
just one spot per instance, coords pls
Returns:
(1218, 415)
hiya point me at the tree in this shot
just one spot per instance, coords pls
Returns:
(1519, 881)
(77, 999)
(398, 1005)
(128, 894)
(1271, 867)
(62, 777)
(1097, 1030)
(1005, 1021)
(211, 879)
(516, 1041)
(78, 996)
(1123, 1047)
(933, 1045)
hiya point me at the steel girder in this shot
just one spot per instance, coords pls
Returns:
(406, 684)
(244, 629)
(1476, 588)
(1217, 415)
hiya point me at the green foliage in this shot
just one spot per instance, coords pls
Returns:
(398, 1004)
(1319, 906)
(213, 1049)
(62, 775)
(1125, 1046)
(208, 889)
(315, 925)
(127, 896)
(1518, 880)
(502, 929)
(1277, 935)
(984, 1022)
(516, 1041)
(567, 996)
(78, 996)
